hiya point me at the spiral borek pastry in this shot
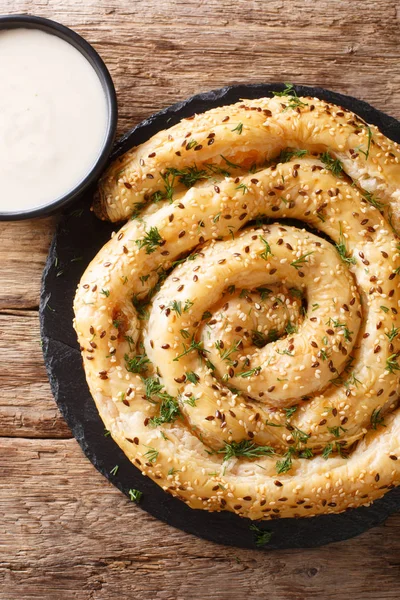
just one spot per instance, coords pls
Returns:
(241, 362)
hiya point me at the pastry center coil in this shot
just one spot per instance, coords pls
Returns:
(240, 331)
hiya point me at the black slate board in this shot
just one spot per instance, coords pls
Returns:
(78, 238)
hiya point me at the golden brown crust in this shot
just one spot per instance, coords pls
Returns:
(267, 127)
(258, 373)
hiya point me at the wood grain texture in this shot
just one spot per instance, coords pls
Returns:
(65, 532)
(23, 250)
(27, 408)
(70, 534)
(160, 51)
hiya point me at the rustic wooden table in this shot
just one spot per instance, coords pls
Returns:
(65, 532)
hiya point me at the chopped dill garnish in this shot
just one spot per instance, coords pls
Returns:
(250, 373)
(376, 418)
(137, 364)
(229, 163)
(267, 250)
(114, 470)
(242, 187)
(299, 436)
(352, 380)
(191, 144)
(297, 293)
(285, 351)
(285, 463)
(336, 430)
(141, 307)
(336, 323)
(151, 240)
(288, 153)
(258, 338)
(191, 400)
(152, 454)
(206, 315)
(180, 261)
(337, 381)
(176, 306)
(188, 176)
(172, 471)
(135, 495)
(390, 221)
(209, 364)
(105, 293)
(349, 364)
(290, 411)
(225, 354)
(264, 292)
(392, 364)
(299, 262)
(231, 231)
(192, 377)
(153, 386)
(192, 347)
(261, 537)
(373, 201)
(306, 453)
(188, 304)
(157, 197)
(138, 207)
(272, 424)
(327, 451)
(333, 447)
(341, 248)
(169, 410)
(290, 328)
(394, 332)
(289, 92)
(217, 170)
(369, 138)
(238, 128)
(245, 448)
(144, 278)
(332, 164)
(130, 341)
(273, 335)
(167, 194)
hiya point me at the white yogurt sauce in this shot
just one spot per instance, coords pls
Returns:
(53, 118)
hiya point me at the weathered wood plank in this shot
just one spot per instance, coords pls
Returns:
(27, 407)
(23, 251)
(161, 52)
(69, 534)
(64, 531)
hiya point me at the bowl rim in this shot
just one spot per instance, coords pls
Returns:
(53, 27)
